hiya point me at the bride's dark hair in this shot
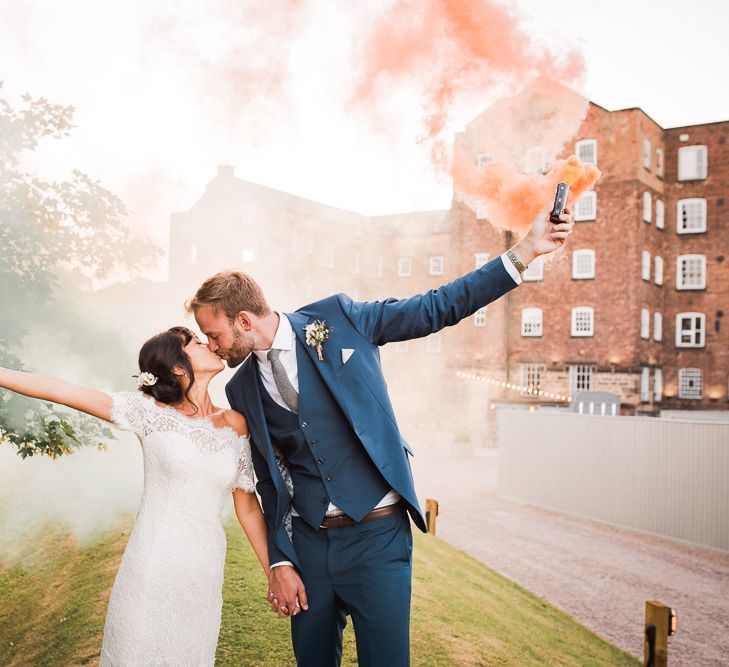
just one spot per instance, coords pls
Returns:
(160, 355)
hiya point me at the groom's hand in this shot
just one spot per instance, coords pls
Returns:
(544, 236)
(286, 591)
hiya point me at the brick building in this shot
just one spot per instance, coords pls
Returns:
(632, 306)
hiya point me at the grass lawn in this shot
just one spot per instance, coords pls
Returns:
(53, 595)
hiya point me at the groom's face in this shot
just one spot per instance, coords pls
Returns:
(228, 340)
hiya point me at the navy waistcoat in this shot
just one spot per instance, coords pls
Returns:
(326, 459)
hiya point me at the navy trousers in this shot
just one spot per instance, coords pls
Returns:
(365, 571)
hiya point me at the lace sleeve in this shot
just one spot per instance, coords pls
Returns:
(245, 480)
(129, 411)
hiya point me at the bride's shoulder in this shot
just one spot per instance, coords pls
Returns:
(236, 421)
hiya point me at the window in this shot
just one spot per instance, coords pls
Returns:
(377, 266)
(657, 326)
(646, 153)
(644, 384)
(193, 254)
(531, 322)
(659, 162)
(580, 378)
(692, 163)
(660, 214)
(658, 270)
(690, 383)
(480, 259)
(434, 343)
(586, 207)
(645, 323)
(691, 216)
(405, 267)
(647, 206)
(690, 272)
(355, 263)
(582, 321)
(481, 213)
(586, 150)
(479, 317)
(248, 256)
(328, 259)
(482, 159)
(535, 271)
(658, 385)
(583, 264)
(531, 378)
(645, 270)
(690, 329)
(435, 265)
(401, 346)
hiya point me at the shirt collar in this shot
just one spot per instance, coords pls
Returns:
(282, 340)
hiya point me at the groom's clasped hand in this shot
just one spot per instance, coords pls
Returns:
(286, 592)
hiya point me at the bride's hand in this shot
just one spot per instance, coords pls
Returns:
(286, 592)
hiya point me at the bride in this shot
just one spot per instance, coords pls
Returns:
(165, 606)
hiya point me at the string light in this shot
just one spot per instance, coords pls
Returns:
(515, 387)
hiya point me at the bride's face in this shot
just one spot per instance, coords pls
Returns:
(201, 358)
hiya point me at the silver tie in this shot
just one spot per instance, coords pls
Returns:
(283, 384)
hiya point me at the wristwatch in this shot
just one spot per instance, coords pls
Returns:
(516, 261)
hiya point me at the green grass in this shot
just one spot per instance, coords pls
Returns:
(53, 595)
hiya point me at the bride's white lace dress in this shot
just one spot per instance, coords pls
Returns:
(166, 601)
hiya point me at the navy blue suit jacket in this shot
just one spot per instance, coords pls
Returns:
(359, 385)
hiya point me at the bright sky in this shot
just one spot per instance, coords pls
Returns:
(155, 111)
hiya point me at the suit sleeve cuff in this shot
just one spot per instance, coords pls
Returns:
(280, 563)
(511, 269)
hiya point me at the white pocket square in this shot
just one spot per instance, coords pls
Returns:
(346, 354)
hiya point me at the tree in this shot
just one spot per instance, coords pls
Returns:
(48, 230)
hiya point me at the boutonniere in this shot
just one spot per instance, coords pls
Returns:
(317, 333)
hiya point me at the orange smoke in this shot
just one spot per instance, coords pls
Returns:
(514, 200)
(458, 50)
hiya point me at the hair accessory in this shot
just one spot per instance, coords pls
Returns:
(145, 380)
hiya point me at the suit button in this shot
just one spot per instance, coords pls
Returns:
(321, 461)
(329, 479)
(304, 424)
(314, 443)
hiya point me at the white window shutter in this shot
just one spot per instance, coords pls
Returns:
(692, 163)
(647, 206)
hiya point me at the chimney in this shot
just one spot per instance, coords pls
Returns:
(226, 171)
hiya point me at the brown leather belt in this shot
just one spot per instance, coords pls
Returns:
(341, 520)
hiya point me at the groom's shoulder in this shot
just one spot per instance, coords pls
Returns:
(326, 307)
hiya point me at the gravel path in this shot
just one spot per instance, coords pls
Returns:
(598, 574)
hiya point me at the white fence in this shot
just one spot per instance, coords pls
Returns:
(666, 477)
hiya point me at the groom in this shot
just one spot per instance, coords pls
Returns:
(332, 468)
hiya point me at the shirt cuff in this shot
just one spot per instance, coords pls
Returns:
(280, 563)
(511, 269)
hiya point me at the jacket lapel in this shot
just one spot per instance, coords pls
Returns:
(326, 369)
(255, 414)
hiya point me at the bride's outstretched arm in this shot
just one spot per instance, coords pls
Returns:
(250, 516)
(47, 388)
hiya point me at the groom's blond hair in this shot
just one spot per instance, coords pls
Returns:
(231, 292)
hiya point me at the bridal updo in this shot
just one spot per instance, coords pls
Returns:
(160, 356)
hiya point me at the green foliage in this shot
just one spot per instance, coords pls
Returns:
(53, 597)
(49, 229)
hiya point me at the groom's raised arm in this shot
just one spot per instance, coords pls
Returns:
(402, 319)
(421, 315)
